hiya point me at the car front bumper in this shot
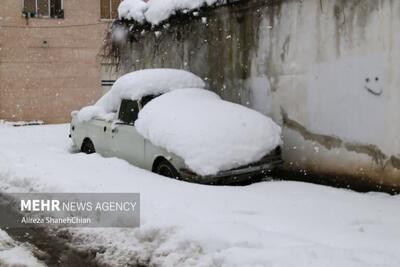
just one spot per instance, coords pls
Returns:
(234, 176)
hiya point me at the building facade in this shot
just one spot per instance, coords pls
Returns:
(49, 56)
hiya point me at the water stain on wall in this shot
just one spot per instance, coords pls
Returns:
(330, 142)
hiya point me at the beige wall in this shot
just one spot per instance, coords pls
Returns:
(46, 82)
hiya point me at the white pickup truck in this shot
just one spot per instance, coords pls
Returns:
(145, 121)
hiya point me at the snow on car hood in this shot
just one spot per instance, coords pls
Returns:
(210, 134)
(137, 84)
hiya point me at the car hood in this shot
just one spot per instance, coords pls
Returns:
(210, 134)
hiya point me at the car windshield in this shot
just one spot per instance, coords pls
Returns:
(146, 99)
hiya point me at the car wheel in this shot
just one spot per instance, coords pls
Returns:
(88, 147)
(165, 168)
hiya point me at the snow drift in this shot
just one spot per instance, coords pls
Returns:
(156, 11)
(136, 84)
(210, 134)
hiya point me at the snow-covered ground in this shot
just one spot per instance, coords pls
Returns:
(183, 224)
(14, 254)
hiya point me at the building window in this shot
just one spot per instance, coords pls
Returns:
(109, 9)
(43, 8)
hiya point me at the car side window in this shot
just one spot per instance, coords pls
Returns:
(128, 111)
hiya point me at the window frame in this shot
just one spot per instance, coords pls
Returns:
(120, 111)
(37, 15)
(110, 11)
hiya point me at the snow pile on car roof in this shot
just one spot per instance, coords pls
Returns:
(210, 134)
(137, 84)
(156, 11)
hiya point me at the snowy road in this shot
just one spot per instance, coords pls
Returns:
(182, 224)
(39, 246)
(13, 253)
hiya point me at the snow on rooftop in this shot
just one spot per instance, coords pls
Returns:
(156, 11)
(137, 84)
(210, 134)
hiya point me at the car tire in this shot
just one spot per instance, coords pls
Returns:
(88, 146)
(165, 168)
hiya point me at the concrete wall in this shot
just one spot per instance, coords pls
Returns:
(48, 67)
(326, 70)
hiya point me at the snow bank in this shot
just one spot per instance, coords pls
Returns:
(183, 224)
(156, 11)
(14, 254)
(136, 84)
(210, 134)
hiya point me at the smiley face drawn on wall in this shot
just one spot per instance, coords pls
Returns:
(374, 86)
(347, 98)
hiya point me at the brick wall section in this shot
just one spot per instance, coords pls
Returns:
(46, 81)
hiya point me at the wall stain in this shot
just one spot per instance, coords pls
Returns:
(368, 149)
(330, 142)
(285, 48)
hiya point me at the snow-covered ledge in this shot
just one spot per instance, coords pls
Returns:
(158, 11)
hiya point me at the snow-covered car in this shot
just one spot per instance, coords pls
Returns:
(165, 121)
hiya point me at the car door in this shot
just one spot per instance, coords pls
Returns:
(126, 142)
(100, 133)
